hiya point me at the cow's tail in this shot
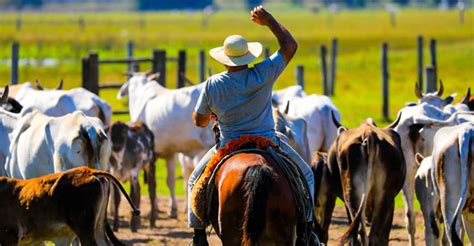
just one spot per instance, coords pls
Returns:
(330, 130)
(258, 182)
(105, 111)
(110, 177)
(359, 217)
(464, 143)
(110, 234)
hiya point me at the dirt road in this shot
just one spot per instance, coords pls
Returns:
(175, 232)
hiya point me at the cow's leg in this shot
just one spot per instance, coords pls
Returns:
(424, 190)
(468, 220)
(325, 203)
(382, 217)
(115, 207)
(171, 182)
(135, 196)
(408, 195)
(151, 175)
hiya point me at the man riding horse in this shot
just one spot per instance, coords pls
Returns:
(240, 100)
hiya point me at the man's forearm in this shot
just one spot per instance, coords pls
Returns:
(288, 44)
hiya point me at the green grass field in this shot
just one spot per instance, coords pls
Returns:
(360, 34)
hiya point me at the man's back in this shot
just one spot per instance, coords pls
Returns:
(241, 100)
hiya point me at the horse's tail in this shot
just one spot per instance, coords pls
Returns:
(258, 181)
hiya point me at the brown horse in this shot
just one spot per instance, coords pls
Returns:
(253, 203)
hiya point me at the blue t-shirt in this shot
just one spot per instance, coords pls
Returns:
(242, 100)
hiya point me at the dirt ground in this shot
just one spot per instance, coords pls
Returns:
(175, 232)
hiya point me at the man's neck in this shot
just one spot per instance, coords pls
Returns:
(236, 68)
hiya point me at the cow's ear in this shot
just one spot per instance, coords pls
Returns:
(418, 159)
(449, 99)
(123, 91)
(341, 129)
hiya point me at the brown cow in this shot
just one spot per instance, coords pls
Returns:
(365, 167)
(57, 207)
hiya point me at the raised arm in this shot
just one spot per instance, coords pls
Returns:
(288, 44)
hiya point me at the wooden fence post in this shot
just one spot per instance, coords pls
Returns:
(324, 76)
(81, 23)
(420, 62)
(430, 82)
(85, 73)
(14, 64)
(433, 58)
(202, 66)
(385, 78)
(300, 75)
(132, 66)
(159, 65)
(332, 78)
(94, 72)
(181, 68)
(18, 23)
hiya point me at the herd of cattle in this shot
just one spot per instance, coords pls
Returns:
(51, 140)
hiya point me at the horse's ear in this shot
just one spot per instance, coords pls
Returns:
(38, 85)
(4, 98)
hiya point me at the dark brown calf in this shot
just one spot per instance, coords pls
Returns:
(133, 150)
(365, 167)
(57, 207)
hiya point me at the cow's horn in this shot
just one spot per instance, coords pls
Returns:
(287, 107)
(465, 99)
(441, 88)
(60, 85)
(418, 93)
(153, 76)
(38, 85)
(395, 123)
(4, 98)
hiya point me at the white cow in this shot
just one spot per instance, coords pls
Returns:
(168, 114)
(61, 102)
(453, 176)
(7, 125)
(280, 97)
(316, 111)
(41, 145)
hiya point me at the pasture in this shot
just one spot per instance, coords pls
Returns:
(360, 33)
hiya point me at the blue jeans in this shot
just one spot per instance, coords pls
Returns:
(195, 223)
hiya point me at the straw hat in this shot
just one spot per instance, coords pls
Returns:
(236, 51)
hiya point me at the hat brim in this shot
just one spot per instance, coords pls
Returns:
(255, 50)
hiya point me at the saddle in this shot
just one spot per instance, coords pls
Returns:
(199, 194)
(202, 193)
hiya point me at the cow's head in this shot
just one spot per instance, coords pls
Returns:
(434, 98)
(118, 134)
(41, 88)
(8, 103)
(135, 82)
